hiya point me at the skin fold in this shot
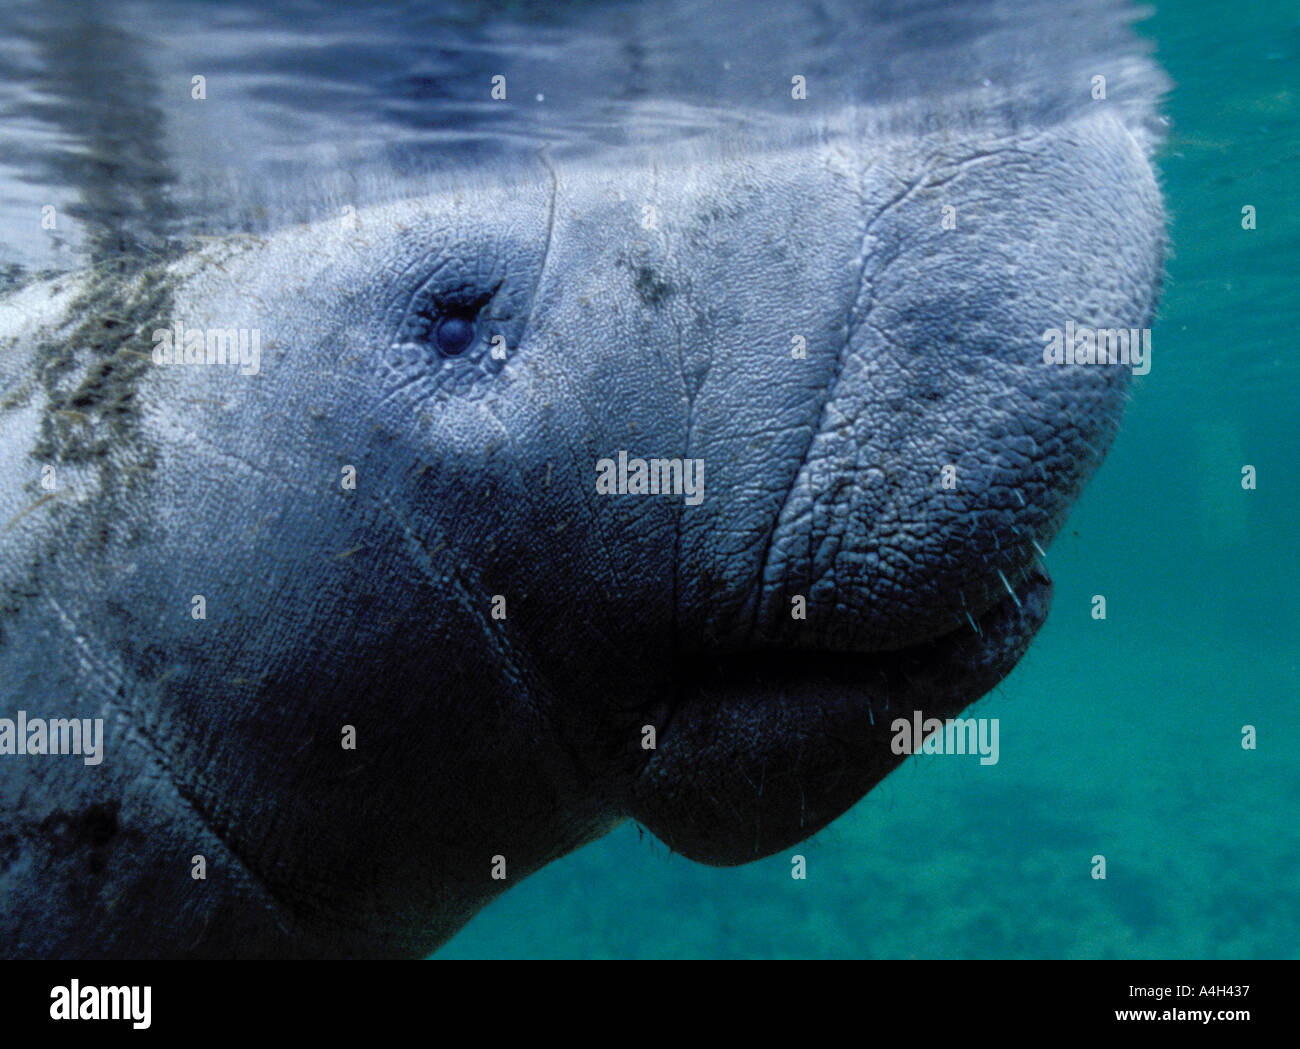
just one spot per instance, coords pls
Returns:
(376, 607)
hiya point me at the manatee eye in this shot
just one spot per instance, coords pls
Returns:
(454, 335)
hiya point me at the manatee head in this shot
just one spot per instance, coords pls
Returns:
(447, 636)
(402, 527)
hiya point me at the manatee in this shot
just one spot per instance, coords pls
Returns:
(651, 473)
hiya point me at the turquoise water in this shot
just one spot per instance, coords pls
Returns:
(1120, 738)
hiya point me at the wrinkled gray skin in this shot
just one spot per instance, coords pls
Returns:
(521, 737)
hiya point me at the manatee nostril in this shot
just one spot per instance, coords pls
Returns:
(453, 335)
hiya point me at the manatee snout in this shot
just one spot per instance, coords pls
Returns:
(880, 549)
